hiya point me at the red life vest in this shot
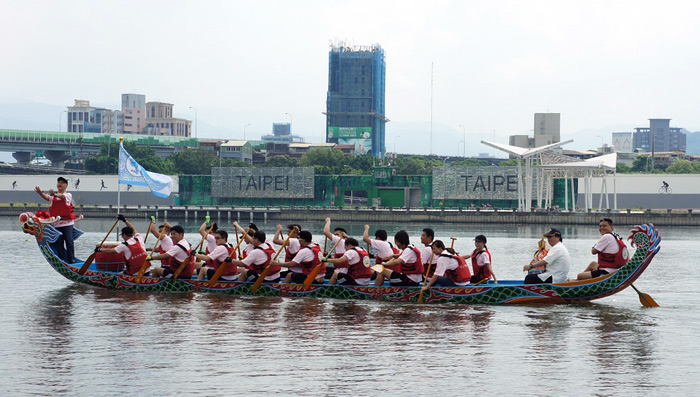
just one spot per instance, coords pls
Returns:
(360, 269)
(288, 256)
(59, 207)
(230, 268)
(307, 267)
(415, 267)
(481, 271)
(461, 273)
(163, 262)
(188, 271)
(269, 251)
(137, 258)
(616, 260)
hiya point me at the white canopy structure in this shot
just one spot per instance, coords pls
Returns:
(526, 154)
(554, 166)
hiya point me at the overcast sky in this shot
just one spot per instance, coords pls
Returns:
(603, 65)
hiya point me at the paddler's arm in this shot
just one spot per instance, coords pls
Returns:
(338, 261)
(157, 257)
(278, 236)
(42, 194)
(393, 262)
(203, 229)
(431, 282)
(365, 236)
(327, 229)
(284, 264)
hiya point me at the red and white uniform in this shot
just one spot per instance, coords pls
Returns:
(178, 254)
(259, 258)
(480, 260)
(412, 266)
(62, 208)
(218, 258)
(211, 244)
(308, 258)
(384, 250)
(134, 251)
(426, 254)
(340, 249)
(454, 267)
(612, 253)
(292, 249)
(356, 262)
(166, 243)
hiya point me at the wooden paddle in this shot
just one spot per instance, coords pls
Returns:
(148, 231)
(266, 270)
(647, 301)
(425, 281)
(452, 246)
(147, 264)
(91, 258)
(221, 267)
(189, 258)
(314, 272)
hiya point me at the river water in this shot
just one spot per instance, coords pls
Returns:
(57, 337)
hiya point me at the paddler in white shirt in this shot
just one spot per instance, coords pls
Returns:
(338, 234)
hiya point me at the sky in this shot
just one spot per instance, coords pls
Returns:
(606, 66)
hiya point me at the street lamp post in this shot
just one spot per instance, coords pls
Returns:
(464, 139)
(60, 117)
(244, 127)
(458, 148)
(195, 120)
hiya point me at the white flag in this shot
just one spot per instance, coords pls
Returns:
(131, 173)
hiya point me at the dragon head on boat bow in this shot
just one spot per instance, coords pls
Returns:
(34, 224)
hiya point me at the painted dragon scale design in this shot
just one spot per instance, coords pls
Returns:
(645, 238)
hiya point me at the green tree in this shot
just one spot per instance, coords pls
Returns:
(509, 163)
(194, 161)
(471, 163)
(680, 166)
(640, 164)
(107, 162)
(623, 169)
(281, 161)
(326, 161)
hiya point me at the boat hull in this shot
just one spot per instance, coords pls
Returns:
(644, 237)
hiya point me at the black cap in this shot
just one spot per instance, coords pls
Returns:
(553, 232)
(480, 238)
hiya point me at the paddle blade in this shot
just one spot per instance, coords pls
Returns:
(87, 264)
(261, 278)
(420, 297)
(142, 271)
(312, 276)
(647, 301)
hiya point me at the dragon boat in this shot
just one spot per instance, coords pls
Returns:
(645, 238)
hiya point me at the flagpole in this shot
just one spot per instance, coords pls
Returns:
(119, 186)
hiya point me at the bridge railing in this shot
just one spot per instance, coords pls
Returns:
(91, 138)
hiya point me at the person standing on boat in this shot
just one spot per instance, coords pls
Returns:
(176, 255)
(353, 268)
(556, 262)
(338, 234)
(426, 238)
(219, 256)
(301, 265)
(133, 248)
(410, 271)
(481, 261)
(385, 250)
(611, 250)
(451, 269)
(61, 205)
(252, 266)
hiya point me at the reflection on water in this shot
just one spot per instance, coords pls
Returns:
(57, 337)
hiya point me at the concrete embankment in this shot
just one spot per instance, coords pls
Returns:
(370, 215)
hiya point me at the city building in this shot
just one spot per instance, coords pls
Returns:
(547, 128)
(282, 132)
(238, 150)
(665, 138)
(355, 103)
(160, 121)
(85, 118)
(622, 142)
(133, 109)
(523, 141)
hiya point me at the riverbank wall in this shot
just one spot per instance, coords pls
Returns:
(427, 216)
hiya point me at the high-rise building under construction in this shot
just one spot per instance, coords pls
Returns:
(355, 103)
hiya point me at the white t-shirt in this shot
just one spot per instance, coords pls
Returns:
(408, 256)
(483, 259)
(219, 253)
(426, 255)
(304, 255)
(340, 249)
(558, 263)
(211, 243)
(69, 200)
(123, 249)
(178, 253)
(353, 257)
(166, 243)
(444, 264)
(384, 250)
(258, 257)
(293, 245)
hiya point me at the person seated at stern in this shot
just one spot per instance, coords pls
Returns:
(556, 263)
